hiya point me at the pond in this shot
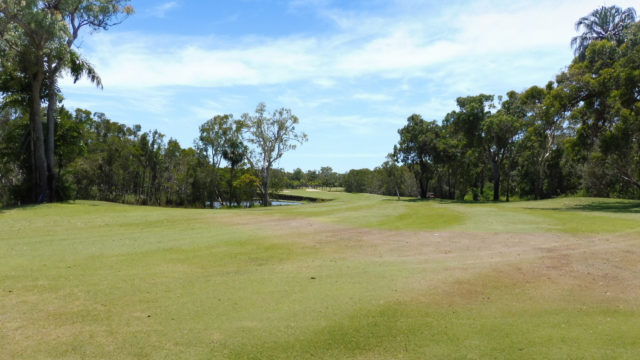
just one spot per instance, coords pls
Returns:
(246, 204)
(284, 203)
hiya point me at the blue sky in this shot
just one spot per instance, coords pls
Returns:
(352, 71)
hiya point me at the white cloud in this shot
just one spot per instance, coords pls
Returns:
(359, 81)
(352, 87)
(207, 110)
(356, 124)
(377, 46)
(372, 97)
(160, 11)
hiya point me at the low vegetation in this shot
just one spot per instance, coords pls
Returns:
(357, 277)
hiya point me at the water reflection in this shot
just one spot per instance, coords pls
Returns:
(246, 204)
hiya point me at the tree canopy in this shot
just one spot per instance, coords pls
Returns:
(578, 134)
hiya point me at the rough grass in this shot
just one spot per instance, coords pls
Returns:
(358, 277)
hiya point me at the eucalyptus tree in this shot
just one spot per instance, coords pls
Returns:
(605, 23)
(501, 130)
(77, 67)
(75, 15)
(604, 88)
(12, 155)
(467, 125)
(234, 151)
(271, 135)
(297, 178)
(39, 36)
(30, 33)
(213, 136)
(419, 149)
(393, 172)
(358, 181)
(328, 178)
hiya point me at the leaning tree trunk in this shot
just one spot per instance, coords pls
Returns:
(37, 139)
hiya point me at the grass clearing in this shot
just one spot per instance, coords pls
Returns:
(358, 277)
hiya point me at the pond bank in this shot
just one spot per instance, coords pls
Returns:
(290, 197)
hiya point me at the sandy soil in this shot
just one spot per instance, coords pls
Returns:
(606, 267)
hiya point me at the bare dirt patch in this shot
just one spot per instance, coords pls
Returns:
(603, 268)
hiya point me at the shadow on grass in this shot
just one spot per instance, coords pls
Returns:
(628, 207)
(446, 201)
(34, 206)
(288, 197)
(18, 207)
(620, 206)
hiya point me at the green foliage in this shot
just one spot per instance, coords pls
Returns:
(221, 139)
(604, 87)
(15, 169)
(419, 149)
(271, 137)
(35, 46)
(247, 187)
(385, 180)
(605, 23)
(357, 181)
(581, 132)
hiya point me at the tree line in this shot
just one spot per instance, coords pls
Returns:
(37, 40)
(51, 154)
(230, 164)
(577, 134)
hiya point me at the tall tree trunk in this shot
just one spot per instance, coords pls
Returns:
(423, 181)
(539, 184)
(265, 187)
(52, 175)
(508, 186)
(231, 198)
(423, 186)
(495, 169)
(37, 138)
(481, 182)
(214, 184)
(450, 186)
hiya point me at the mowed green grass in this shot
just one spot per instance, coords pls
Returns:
(566, 215)
(358, 277)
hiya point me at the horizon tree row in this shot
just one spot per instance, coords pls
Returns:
(101, 159)
(579, 133)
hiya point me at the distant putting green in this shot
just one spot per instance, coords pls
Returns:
(357, 277)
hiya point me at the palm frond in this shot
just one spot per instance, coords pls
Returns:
(80, 67)
(604, 23)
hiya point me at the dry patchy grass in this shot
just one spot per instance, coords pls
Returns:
(330, 280)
